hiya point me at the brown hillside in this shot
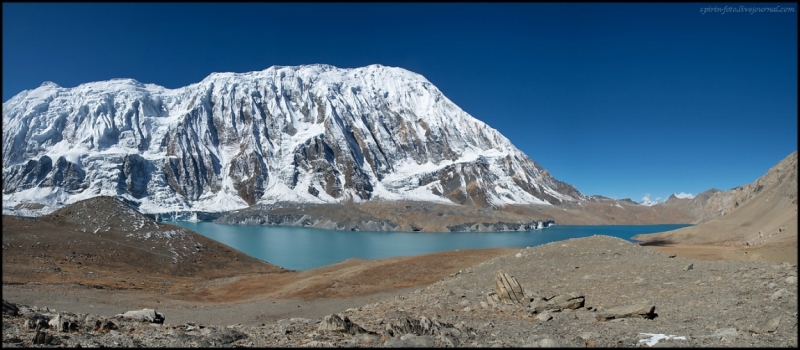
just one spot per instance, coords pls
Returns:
(111, 244)
(763, 223)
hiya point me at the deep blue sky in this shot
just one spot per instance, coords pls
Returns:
(616, 99)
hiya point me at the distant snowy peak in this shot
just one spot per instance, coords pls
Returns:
(650, 202)
(312, 133)
(683, 195)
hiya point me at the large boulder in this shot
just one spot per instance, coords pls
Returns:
(508, 289)
(10, 309)
(567, 301)
(557, 303)
(143, 315)
(334, 323)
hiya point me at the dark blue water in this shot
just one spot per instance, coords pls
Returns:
(300, 248)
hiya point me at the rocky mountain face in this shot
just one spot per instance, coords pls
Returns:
(696, 205)
(759, 214)
(722, 203)
(309, 134)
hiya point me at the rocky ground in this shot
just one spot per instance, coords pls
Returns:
(590, 292)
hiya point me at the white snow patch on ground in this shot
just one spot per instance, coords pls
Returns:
(655, 338)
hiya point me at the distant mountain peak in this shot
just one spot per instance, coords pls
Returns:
(682, 195)
(49, 84)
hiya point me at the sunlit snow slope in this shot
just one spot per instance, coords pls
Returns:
(312, 133)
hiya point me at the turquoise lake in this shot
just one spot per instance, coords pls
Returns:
(300, 248)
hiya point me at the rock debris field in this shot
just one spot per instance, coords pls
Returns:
(598, 291)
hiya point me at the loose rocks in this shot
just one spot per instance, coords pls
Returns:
(643, 310)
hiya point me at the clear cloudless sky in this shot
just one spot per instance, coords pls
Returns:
(617, 99)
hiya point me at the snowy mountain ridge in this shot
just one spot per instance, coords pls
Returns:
(313, 133)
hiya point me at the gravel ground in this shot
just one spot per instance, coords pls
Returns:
(711, 304)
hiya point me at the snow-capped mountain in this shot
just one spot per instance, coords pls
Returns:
(312, 133)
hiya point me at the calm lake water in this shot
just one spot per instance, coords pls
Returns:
(300, 248)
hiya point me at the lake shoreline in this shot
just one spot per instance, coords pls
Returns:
(301, 248)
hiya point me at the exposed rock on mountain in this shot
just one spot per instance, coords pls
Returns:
(696, 205)
(313, 134)
(780, 180)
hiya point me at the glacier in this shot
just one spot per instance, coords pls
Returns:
(311, 133)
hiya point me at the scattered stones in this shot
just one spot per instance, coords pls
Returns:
(727, 301)
(493, 300)
(548, 343)
(449, 341)
(791, 280)
(643, 310)
(107, 326)
(43, 338)
(688, 267)
(726, 333)
(781, 293)
(569, 301)
(768, 327)
(423, 326)
(544, 316)
(58, 324)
